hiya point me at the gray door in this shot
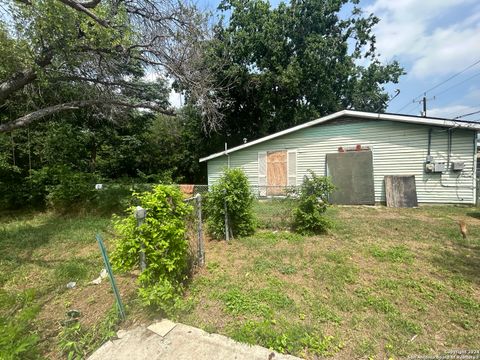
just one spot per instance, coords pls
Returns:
(352, 174)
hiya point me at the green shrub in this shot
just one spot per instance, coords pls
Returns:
(233, 189)
(74, 190)
(17, 338)
(61, 188)
(13, 194)
(309, 215)
(114, 197)
(76, 341)
(165, 244)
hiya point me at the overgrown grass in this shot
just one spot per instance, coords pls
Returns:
(274, 213)
(382, 283)
(39, 254)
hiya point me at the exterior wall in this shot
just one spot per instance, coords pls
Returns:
(398, 149)
(215, 168)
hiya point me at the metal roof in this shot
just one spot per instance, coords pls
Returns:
(358, 114)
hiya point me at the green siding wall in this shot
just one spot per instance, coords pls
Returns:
(398, 149)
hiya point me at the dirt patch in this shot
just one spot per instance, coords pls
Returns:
(93, 302)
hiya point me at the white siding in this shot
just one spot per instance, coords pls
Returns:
(398, 149)
(215, 168)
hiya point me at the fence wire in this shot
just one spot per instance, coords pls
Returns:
(195, 231)
(259, 191)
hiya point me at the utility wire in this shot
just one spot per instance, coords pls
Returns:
(457, 84)
(410, 103)
(465, 115)
(441, 83)
(451, 77)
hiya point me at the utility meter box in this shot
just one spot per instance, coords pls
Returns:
(439, 167)
(458, 165)
(435, 167)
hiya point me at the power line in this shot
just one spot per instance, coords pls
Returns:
(410, 103)
(452, 77)
(440, 84)
(457, 84)
(465, 115)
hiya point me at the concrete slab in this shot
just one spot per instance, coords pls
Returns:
(182, 342)
(162, 328)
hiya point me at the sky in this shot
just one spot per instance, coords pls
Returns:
(433, 40)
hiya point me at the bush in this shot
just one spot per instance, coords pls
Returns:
(12, 183)
(309, 214)
(74, 190)
(61, 188)
(166, 247)
(234, 189)
(18, 340)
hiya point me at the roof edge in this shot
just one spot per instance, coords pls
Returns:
(352, 113)
(275, 135)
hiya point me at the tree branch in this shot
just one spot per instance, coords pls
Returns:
(90, 4)
(18, 81)
(22, 78)
(74, 105)
(80, 7)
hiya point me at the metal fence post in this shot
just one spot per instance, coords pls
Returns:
(201, 249)
(140, 215)
(120, 307)
(227, 232)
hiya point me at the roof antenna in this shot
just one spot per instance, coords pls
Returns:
(390, 98)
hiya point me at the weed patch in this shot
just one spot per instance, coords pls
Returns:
(287, 339)
(336, 275)
(396, 254)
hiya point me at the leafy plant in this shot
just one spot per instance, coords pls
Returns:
(292, 339)
(233, 192)
(162, 238)
(61, 188)
(17, 340)
(309, 215)
(76, 341)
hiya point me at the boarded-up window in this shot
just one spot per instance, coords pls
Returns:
(352, 174)
(276, 172)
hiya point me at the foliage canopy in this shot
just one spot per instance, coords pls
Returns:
(295, 62)
(58, 56)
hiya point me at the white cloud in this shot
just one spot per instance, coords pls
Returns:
(410, 31)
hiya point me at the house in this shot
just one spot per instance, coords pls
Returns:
(358, 149)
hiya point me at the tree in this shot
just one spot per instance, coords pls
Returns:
(102, 48)
(296, 62)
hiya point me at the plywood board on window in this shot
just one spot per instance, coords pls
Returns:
(352, 175)
(276, 172)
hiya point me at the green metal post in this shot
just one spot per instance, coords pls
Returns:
(120, 307)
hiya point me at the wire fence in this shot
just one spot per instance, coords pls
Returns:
(195, 231)
(190, 190)
(259, 191)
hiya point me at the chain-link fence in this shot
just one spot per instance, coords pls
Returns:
(258, 191)
(195, 231)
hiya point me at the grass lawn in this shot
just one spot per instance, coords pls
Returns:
(382, 283)
(39, 254)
